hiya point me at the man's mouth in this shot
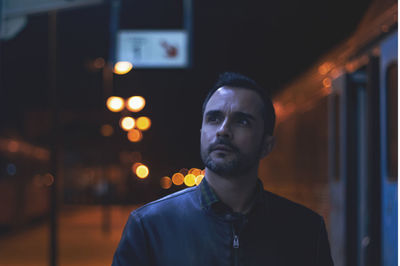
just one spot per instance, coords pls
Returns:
(222, 147)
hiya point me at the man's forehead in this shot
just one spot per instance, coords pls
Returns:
(235, 97)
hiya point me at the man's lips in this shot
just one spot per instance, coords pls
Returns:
(221, 147)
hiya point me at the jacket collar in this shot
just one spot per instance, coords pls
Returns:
(210, 200)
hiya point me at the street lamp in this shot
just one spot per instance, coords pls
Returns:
(122, 67)
(135, 103)
(115, 104)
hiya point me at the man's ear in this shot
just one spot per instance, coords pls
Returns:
(267, 145)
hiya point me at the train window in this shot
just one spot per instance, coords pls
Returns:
(336, 165)
(392, 87)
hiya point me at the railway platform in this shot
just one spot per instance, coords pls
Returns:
(82, 238)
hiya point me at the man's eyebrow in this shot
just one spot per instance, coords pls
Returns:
(246, 115)
(213, 112)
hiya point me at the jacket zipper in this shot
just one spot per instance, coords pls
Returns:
(235, 248)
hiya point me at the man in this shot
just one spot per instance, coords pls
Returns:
(228, 219)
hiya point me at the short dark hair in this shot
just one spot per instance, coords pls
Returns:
(237, 80)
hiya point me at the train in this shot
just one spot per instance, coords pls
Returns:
(337, 141)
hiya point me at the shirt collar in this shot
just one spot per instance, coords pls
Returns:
(210, 199)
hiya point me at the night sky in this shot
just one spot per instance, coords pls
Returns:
(270, 41)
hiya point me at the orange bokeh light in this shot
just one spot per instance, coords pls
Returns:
(195, 171)
(177, 179)
(142, 171)
(135, 135)
(13, 146)
(135, 166)
(106, 130)
(135, 103)
(327, 82)
(48, 180)
(122, 67)
(143, 123)
(165, 182)
(115, 104)
(127, 123)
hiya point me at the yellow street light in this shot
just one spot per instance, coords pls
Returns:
(135, 135)
(122, 67)
(142, 171)
(127, 123)
(115, 104)
(198, 179)
(190, 180)
(143, 123)
(135, 103)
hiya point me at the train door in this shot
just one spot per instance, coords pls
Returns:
(389, 145)
(358, 178)
(336, 166)
(351, 144)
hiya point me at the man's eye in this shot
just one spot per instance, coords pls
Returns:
(243, 122)
(212, 119)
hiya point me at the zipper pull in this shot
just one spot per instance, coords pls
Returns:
(235, 241)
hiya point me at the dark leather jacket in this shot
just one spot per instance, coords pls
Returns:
(185, 229)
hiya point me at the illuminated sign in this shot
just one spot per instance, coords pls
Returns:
(153, 48)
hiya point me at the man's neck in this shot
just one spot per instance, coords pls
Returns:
(237, 192)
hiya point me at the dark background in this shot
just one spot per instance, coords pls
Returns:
(271, 42)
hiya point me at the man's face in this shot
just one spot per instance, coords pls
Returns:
(232, 134)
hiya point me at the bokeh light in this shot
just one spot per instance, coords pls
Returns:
(143, 123)
(177, 179)
(99, 62)
(48, 180)
(327, 82)
(142, 171)
(122, 67)
(45, 180)
(189, 180)
(115, 104)
(195, 171)
(106, 130)
(135, 103)
(198, 179)
(127, 123)
(13, 146)
(165, 182)
(11, 169)
(135, 166)
(135, 135)
(184, 171)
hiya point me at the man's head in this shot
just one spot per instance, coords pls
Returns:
(238, 121)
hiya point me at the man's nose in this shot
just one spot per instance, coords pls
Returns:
(224, 130)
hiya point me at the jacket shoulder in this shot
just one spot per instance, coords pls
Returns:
(168, 204)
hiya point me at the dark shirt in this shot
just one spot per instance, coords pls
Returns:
(193, 227)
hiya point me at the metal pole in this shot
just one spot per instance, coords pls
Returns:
(115, 6)
(2, 93)
(188, 26)
(54, 139)
(114, 26)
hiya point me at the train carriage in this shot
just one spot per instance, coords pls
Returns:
(337, 143)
